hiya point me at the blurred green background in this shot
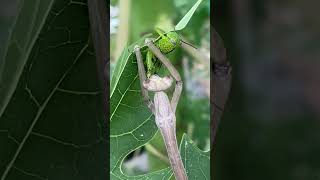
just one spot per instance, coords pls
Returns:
(130, 21)
(270, 128)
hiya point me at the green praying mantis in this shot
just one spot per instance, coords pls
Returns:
(163, 109)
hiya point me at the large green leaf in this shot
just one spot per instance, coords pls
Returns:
(52, 126)
(131, 123)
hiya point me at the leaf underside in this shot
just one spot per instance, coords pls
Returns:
(52, 126)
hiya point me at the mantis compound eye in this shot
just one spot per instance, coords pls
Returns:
(156, 83)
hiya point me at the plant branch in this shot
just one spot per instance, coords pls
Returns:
(123, 29)
(157, 153)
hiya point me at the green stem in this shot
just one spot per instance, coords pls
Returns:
(157, 153)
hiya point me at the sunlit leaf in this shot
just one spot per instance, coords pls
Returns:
(186, 18)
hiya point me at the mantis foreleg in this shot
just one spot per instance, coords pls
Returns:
(175, 74)
(142, 78)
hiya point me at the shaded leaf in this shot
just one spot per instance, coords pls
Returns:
(52, 127)
(22, 36)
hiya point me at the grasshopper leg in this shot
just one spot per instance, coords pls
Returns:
(142, 77)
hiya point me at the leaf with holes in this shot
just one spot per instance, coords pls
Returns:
(51, 120)
(131, 123)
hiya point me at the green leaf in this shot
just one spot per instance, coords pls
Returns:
(52, 126)
(131, 123)
(198, 26)
(186, 18)
(22, 36)
(183, 6)
(197, 162)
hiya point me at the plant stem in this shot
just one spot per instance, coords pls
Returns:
(157, 153)
(123, 30)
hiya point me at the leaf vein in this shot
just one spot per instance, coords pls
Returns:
(29, 173)
(35, 120)
(111, 117)
(130, 132)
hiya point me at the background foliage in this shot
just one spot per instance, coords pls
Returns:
(51, 117)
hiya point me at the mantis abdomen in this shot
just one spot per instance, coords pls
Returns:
(166, 122)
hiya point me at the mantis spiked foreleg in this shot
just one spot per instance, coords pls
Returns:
(172, 70)
(142, 77)
(163, 110)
